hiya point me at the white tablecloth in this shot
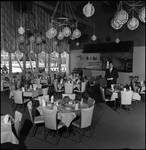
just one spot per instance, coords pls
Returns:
(66, 116)
(7, 134)
(31, 93)
(116, 94)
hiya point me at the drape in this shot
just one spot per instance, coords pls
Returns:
(36, 23)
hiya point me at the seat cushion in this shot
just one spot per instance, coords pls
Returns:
(38, 119)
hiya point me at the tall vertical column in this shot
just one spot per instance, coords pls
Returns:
(37, 62)
(10, 63)
(49, 71)
(69, 63)
(59, 62)
(24, 62)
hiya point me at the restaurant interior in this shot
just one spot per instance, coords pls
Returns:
(73, 74)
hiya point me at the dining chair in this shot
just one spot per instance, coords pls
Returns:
(44, 97)
(19, 99)
(126, 99)
(37, 81)
(71, 95)
(107, 98)
(51, 123)
(3, 90)
(90, 102)
(18, 84)
(34, 119)
(82, 90)
(45, 91)
(37, 86)
(68, 88)
(12, 87)
(102, 83)
(17, 122)
(84, 122)
(135, 98)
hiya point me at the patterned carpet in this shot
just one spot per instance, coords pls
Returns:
(110, 129)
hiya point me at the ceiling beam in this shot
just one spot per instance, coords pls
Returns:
(52, 8)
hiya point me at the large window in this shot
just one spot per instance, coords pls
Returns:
(43, 61)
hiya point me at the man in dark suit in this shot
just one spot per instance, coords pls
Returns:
(111, 75)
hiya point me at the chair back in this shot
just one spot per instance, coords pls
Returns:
(71, 96)
(45, 98)
(83, 86)
(50, 118)
(45, 91)
(126, 97)
(102, 82)
(37, 81)
(17, 122)
(18, 84)
(55, 85)
(37, 86)
(2, 85)
(90, 102)
(18, 97)
(29, 106)
(68, 88)
(102, 93)
(86, 116)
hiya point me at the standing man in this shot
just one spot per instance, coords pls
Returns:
(111, 75)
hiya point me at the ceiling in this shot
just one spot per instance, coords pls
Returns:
(77, 6)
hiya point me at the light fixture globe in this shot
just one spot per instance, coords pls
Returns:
(76, 33)
(88, 10)
(77, 44)
(133, 23)
(117, 40)
(93, 37)
(66, 32)
(52, 32)
(121, 16)
(72, 37)
(60, 36)
(32, 39)
(38, 40)
(116, 25)
(21, 30)
(21, 39)
(142, 14)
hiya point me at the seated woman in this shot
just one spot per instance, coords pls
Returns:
(60, 84)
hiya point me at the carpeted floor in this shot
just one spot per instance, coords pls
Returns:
(111, 130)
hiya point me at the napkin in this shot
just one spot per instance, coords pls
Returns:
(52, 99)
(30, 86)
(43, 103)
(81, 103)
(6, 118)
(55, 107)
(141, 83)
(129, 88)
(23, 89)
(56, 103)
(77, 106)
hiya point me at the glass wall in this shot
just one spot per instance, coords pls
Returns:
(43, 61)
